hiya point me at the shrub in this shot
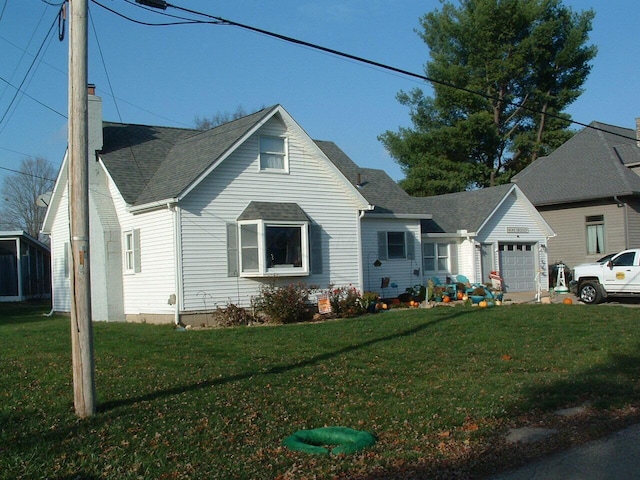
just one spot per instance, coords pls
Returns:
(288, 304)
(346, 301)
(234, 316)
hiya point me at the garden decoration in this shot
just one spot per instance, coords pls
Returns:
(316, 441)
(561, 285)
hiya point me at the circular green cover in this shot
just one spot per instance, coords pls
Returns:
(316, 440)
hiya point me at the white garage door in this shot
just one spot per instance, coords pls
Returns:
(517, 266)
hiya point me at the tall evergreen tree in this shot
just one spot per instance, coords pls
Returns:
(504, 71)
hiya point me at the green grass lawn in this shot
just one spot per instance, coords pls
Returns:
(438, 387)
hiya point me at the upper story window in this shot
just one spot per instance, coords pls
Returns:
(273, 154)
(595, 234)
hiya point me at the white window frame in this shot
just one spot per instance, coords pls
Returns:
(284, 154)
(437, 257)
(131, 251)
(128, 250)
(263, 268)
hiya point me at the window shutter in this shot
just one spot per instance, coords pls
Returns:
(411, 246)
(137, 261)
(232, 250)
(315, 249)
(382, 246)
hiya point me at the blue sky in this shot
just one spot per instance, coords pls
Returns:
(169, 75)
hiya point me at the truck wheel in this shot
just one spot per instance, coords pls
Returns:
(590, 292)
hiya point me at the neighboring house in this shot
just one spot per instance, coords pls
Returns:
(477, 232)
(184, 221)
(24, 267)
(588, 190)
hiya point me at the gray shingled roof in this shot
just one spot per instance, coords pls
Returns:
(150, 163)
(591, 165)
(289, 212)
(462, 210)
(378, 188)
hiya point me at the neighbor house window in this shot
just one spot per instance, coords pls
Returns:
(436, 257)
(273, 154)
(595, 235)
(131, 249)
(274, 248)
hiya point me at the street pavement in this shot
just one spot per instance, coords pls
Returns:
(615, 457)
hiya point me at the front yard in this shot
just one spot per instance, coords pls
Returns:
(438, 387)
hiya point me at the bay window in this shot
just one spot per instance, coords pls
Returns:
(274, 248)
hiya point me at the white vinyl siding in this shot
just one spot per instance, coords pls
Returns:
(60, 268)
(222, 197)
(514, 222)
(148, 291)
(376, 264)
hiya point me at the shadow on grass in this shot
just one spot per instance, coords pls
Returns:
(109, 405)
(607, 389)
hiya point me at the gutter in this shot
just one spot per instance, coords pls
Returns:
(167, 203)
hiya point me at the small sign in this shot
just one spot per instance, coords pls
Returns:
(324, 305)
(619, 275)
(517, 229)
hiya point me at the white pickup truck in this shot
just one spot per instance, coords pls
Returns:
(619, 276)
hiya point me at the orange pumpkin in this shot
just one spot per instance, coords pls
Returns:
(446, 299)
(460, 295)
(483, 304)
(567, 301)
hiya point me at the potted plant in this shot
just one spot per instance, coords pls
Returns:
(477, 295)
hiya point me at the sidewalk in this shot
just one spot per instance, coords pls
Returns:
(614, 457)
(530, 297)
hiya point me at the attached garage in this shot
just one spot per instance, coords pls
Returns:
(517, 266)
(482, 231)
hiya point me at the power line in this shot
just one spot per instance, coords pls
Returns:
(18, 89)
(223, 21)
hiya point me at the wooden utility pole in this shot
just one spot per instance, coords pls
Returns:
(81, 328)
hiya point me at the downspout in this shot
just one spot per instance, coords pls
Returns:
(176, 256)
(359, 237)
(622, 204)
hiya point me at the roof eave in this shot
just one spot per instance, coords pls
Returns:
(158, 204)
(404, 216)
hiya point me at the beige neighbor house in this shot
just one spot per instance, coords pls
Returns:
(588, 190)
